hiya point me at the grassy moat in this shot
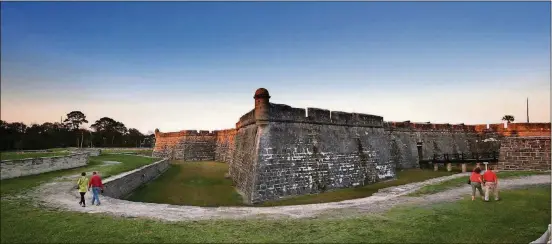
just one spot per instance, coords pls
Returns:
(190, 183)
(521, 217)
(203, 184)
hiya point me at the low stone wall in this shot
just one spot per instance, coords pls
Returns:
(525, 153)
(121, 185)
(32, 166)
(126, 149)
(90, 151)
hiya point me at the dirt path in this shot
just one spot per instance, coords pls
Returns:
(62, 195)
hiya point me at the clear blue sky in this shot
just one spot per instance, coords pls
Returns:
(196, 65)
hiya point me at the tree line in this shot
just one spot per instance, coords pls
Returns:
(106, 132)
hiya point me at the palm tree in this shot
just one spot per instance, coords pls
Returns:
(508, 118)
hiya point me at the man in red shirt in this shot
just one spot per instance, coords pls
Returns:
(96, 184)
(491, 183)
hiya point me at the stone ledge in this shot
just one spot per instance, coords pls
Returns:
(121, 185)
(32, 166)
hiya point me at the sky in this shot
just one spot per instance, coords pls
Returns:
(196, 65)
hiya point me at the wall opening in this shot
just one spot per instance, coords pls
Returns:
(420, 151)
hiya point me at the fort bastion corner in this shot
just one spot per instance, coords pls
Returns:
(275, 150)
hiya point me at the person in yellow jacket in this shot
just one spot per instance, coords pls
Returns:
(82, 185)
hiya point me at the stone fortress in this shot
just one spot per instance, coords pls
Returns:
(277, 151)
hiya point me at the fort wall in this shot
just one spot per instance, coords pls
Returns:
(525, 153)
(409, 142)
(225, 145)
(300, 154)
(244, 161)
(276, 151)
(188, 145)
(405, 138)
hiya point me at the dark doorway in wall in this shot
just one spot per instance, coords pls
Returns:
(420, 151)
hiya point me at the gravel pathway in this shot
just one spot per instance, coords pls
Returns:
(62, 195)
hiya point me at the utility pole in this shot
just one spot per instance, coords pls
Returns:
(527, 110)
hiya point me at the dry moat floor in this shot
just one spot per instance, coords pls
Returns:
(203, 184)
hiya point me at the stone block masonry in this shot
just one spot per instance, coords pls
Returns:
(244, 160)
(120, 186)
(525, 153)
(301, 154)
(410, 141)
(225, 145)
(405, 138)
(32, 166)
(188, 145)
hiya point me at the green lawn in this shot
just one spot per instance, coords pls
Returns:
(521, 217)
(190, 183)
(445, 185)
(18, 155)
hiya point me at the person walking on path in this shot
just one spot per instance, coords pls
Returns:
(97, 186)
(82, 182)
(475, 182)
(491, 184)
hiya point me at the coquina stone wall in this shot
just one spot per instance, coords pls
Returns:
(191, 145)
(409, 142)
(244, 162)
(325, 150)
(225, 145)
(120, 186)
(32, 166)
(188, 145)
(406, 137)
(525, 153)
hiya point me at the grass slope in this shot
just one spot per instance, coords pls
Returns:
(449, 184)
(190, 183)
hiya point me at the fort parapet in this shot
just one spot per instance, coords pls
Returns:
(276, 151)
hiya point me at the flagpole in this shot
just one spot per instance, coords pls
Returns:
(527, 110)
